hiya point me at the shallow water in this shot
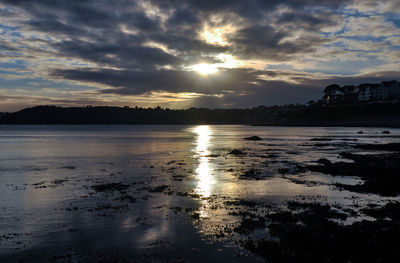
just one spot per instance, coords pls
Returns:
(49, 207)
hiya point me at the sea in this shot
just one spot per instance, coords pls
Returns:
(161, 193)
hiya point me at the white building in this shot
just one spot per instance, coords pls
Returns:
(384, 92)
(364, 94)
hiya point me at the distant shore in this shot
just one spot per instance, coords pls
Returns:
(371, 115)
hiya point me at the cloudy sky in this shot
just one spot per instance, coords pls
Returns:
(184, 53)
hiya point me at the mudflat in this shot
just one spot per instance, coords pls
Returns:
(194, 193)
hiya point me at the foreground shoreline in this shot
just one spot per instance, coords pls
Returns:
(321, 125)
(315, 125)
(237, 193)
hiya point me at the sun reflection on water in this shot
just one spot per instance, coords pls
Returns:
(203, 171)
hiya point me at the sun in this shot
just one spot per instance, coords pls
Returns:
(205, 69)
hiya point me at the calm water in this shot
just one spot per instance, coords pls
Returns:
(50, 207)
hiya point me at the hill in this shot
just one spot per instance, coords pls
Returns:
(313, 114)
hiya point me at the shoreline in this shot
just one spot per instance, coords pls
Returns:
(349, 125)
(274, 124)
(255, 194)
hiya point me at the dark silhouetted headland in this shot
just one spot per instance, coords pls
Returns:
(122, 115)
(290, 115)
(363, 105)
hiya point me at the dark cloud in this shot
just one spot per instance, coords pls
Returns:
(7, 46)
(309, 21)
(253, 9)
(101, 21)
(130, 82)
(239, 87)
(54, 26)
(269, 43)
(131, 52)
(372, 77)
(281, 92)
(123, 52)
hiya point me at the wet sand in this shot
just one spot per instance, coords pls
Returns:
(198, 193)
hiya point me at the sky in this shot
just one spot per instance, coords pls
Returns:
(191, 53)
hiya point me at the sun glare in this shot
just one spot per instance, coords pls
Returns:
(205, 69)
(216, 35)
(203, 171)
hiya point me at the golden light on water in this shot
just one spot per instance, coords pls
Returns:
(203, 171)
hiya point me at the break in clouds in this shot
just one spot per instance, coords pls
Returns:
(191, 53)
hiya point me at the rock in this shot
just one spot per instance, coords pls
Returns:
(252, 174)
(379, 172)
(253, 138)
(324, 161)
(110, 187)
(360, 132)
(395, 147)
(390, 210)
(158, 189)
(386, 132)
(237, 152)
(308, 235)
(321, 139)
